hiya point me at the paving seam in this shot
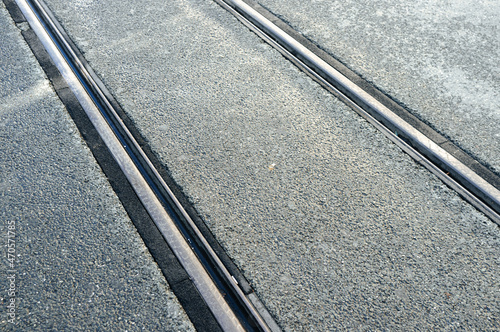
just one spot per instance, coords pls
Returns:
(471, 179)
(177, 277)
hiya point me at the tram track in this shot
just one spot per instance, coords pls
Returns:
(232, 302)
(224, 291)
(473, 181)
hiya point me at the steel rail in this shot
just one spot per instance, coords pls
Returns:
(144, 179)
(464, 180)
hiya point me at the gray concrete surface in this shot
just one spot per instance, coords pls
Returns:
(333, 225)
(79, 263)
(439, 58)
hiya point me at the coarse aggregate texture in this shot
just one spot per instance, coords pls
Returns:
(80, 265)
(439, 58)
(333, 226)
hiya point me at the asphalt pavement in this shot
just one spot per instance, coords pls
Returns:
(334, 226)
(71, 258)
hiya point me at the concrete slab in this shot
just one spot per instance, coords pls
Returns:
(439, 59)
(333, 226)
(79, 264)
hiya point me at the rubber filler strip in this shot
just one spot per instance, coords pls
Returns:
(478, 191)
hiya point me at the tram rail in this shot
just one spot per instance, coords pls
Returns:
(474, 182)
(234, 306)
